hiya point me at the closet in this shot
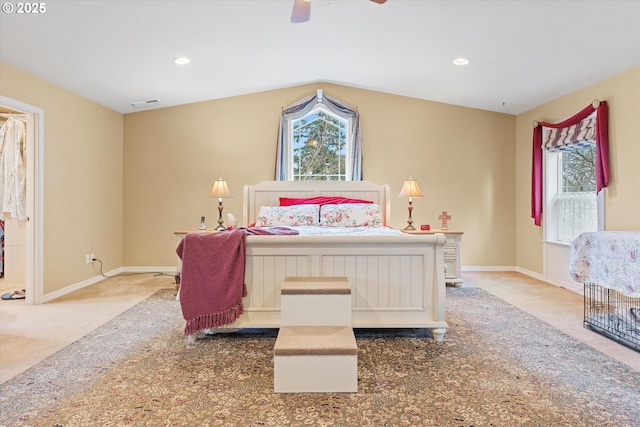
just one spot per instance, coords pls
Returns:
(13, 128)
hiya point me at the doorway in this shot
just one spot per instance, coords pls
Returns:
(24, 239)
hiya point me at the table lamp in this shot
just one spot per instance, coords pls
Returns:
(410, 189)
(220, 190)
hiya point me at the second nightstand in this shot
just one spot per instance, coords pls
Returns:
(451, 253)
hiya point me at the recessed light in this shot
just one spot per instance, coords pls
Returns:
(461, 61)
(182, 61)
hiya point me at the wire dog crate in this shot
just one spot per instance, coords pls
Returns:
(612, 314)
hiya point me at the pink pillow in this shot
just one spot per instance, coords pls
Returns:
(319, 200)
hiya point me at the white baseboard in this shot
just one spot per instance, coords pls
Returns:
(488, 268)
(140, 269)
(77, 286)
(93, 280)
(577, 287)
(573, 287)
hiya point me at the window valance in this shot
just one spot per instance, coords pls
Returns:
(601, 131)
(561, 139)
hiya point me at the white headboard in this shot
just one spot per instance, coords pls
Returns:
(268, 193)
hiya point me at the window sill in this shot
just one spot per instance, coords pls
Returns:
(553, 242)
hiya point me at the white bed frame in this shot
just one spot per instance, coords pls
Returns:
(397, 281)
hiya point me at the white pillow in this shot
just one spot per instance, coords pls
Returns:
(351, 215)
(271, 216)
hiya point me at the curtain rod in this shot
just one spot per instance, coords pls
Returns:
(595, 104)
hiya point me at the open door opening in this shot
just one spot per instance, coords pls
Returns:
(23, 242)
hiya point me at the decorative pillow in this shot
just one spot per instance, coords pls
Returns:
(271, 216)
(319, 200)
(351, 215)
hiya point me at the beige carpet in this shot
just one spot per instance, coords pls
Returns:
(498, 366)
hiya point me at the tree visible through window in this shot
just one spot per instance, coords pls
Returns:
(320, 145)
(319, 139)
(579, 170)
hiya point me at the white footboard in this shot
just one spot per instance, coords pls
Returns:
(398, 281)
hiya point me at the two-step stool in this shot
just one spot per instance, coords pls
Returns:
(316, 348)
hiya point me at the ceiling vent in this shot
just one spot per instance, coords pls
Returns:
(144, 104)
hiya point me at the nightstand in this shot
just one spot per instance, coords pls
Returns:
(452, 253)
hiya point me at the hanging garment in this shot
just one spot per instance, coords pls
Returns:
(13, 189)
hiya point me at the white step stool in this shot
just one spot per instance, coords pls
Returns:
(316, 359)
(316, 350)
(322, 301)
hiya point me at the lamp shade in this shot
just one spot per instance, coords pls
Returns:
(410, 189)
(220, 189)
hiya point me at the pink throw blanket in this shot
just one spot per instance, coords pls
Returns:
(269, 231)
(212, 278)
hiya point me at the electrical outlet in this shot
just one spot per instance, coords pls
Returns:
(87, 258)
(93, 256)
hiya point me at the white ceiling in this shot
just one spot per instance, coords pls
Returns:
(522, 53)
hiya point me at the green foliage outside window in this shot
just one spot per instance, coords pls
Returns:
(319, 148)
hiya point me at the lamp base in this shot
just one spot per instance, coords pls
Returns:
(220, 227)
(410, 226)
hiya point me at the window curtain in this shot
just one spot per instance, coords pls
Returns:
(602, 151)
(300, 109)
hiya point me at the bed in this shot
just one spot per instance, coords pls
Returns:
(397, 279)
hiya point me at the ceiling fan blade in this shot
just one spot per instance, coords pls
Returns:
(301, 11)
(379, 1)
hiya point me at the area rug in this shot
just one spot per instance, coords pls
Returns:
(498, 366)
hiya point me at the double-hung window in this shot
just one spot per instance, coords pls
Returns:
(572, 205)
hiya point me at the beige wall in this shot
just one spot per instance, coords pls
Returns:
(622, 93)
(82, 178)
(463, 159)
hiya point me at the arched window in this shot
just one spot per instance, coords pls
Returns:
(319, 139)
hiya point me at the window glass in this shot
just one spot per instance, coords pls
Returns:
(320, 147)
(574, 206)
(579, 170)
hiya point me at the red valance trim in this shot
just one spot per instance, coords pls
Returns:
(602, 153)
